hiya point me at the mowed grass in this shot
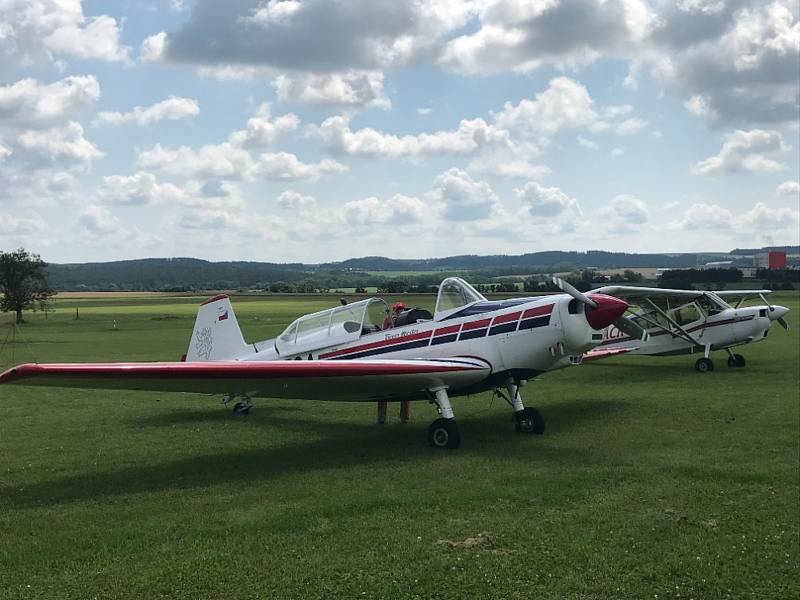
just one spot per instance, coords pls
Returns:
(651, 481)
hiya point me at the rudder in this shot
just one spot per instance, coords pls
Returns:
(216, 334)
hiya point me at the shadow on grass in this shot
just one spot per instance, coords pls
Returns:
(321, 445)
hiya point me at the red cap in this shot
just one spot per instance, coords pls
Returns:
(398, 306)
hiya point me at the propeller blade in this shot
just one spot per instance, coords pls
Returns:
(578, 295)
(783, 323)
(630, 328)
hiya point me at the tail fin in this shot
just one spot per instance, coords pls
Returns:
(216, 334)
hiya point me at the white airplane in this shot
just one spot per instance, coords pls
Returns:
(470, 344)
(665, 322)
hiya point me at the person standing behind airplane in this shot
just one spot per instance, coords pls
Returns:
(405, 406)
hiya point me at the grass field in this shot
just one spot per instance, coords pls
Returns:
(652, 481)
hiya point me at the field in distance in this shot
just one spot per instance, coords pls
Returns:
(651, 480)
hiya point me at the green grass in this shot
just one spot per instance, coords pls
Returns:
(652, 481)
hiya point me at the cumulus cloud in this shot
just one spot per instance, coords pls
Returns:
(546, 201)
(744, 151)
(171, 109)
(29, 103)
(398, 210)
(283, 166)
(734, 62)
(138, 189)
(98, 221)
(59, 144)
(788, 188)
(470, 136)
(295, 36)
(566, 104)
(463, 198)
(152, 49)
(348, 89)
(625, 214)
(706, 216)
(522, 36)
(295, 201)
(37, 31)
(262, 130)
(759, 221)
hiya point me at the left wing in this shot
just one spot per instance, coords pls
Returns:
(311, 379)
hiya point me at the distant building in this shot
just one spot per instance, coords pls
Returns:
(718, 264)
(776, 260)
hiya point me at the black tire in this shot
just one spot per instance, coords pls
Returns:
(704, 365)
(529, 420)
(443, 433)
(739, 360)
(241, 408)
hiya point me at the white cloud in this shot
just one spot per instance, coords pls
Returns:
(295, 201)
(274, 12)
(398, 210)
(625, 214)
(546, 201)
(700, 106)
(762, 219)
(4, 152)
(788, 188)
(38, 31)
(138, 189)
(60, 144)
(262, 131)
(617, 152)
(744, 151)
(152, 49)
(283, 166)
(586, 143)
(463, 198)
(28, 103)
(523, 36)
(348, 89)
(171, 109)
(706, 216)
(631, 126)
(424, 111)
(470, 137)
(98, 221)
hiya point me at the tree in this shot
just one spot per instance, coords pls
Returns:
(23, 282)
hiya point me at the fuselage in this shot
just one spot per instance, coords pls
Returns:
(725, 329)
(519, 338)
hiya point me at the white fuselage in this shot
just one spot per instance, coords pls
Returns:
(522, 338)
(728, 328)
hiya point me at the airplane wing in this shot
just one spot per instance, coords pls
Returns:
(310, 379)
(599, 353)
(629, 292)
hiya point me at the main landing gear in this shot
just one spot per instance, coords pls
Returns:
(242, 407)
(526, 419)
(706, 365)
(443, 432)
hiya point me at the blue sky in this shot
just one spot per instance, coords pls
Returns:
(310, 130)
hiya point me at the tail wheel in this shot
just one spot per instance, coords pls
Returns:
(443, 433)
(529, 420)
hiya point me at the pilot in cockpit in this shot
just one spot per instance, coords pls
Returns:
(390, 319)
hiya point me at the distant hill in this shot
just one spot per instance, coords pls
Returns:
(189, 274)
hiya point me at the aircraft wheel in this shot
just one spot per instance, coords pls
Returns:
(443, 433)
(704, 365)
(737, 360)
(529, 420)
(241, 408)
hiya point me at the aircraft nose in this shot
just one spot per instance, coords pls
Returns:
(777, 312)
(608, 310)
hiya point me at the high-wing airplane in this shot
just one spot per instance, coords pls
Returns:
(665, 322)
(470, 344)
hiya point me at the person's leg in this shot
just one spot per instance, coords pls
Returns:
(382, 412)
(405, 411)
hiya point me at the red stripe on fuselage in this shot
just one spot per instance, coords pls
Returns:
(446, 330)
(538, 311)
(476, 324)
(506, 318)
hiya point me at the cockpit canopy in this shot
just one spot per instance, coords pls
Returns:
(331, 327)
(455, 294)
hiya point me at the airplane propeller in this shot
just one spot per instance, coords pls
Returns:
(783, 323)
(575, 293)
(628, 327)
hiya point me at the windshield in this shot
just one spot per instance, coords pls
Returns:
(455, 294)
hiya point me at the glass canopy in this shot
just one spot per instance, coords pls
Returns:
(331, 327)
(455, 294)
